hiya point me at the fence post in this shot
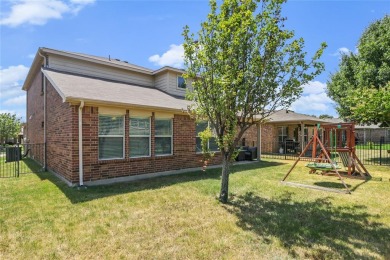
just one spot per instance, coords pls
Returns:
(285, 150)
(380, 149)
(17, 159)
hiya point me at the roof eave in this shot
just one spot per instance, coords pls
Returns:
(120, 104)
(34, 68)
(168, 68)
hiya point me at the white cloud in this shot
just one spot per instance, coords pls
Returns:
(12, 97)
(173, 57)
(12, 75)
(341, 51)
(10, 91)
(82, 2)
(19, 100)
(31, 56)
(314, 87)
(314, 100)
(38, 12)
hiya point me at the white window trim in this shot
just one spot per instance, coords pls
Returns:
(150, 137)
(171, 136)
(177, 83)
(284, 132)
(123, 137)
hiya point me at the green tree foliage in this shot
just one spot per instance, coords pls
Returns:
(361, 86)
(243, 65)
(325, 116)
(9, 126)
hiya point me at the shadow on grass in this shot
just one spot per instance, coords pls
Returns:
(333, 185)
(79, 195)
(28, 165)
(314, 229)
(385, 160)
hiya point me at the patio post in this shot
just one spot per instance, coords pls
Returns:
(302, 135)
(258, 141)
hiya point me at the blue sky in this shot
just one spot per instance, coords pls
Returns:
(148, 33)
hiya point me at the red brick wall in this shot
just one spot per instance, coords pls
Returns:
(34, 118)
(61, 138)
(268, 138)
(34, 114)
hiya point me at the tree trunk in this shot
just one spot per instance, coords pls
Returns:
(223, 196)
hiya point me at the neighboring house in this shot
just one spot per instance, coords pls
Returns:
(284, 130)
(103, 118)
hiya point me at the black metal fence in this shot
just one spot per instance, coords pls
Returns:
(369, 153)
(19, 159)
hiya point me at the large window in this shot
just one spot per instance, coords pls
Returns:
(163, 136)
(181, 83)
(306, 134)
(212, 144)
(282, 133)
(139, 143)
(111, 137)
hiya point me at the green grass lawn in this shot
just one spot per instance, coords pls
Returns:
(373, 146)
(178, 217)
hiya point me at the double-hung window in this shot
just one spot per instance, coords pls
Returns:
(282, 133)
(212, 143)
(163, 140)
(139, 143)
(111, 137)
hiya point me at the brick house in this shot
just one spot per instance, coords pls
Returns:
(105, 120)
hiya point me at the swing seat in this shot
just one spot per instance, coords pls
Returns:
(322, 166)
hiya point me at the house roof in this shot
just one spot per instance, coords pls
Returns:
(112, 62)
(288, 116)
(74, 88)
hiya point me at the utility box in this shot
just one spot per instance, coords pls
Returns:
(13, 154)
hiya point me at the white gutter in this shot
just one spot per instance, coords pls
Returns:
(81, 173)
(44, 114)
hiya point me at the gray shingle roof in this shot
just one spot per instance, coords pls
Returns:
(73, 87)
(285, 116)
(111, 60)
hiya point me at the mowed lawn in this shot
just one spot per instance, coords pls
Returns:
(178, 217)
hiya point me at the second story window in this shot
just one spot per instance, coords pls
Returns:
(181, 83)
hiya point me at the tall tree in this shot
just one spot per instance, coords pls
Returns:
(9, 126)
(243, 65)
(361, 86)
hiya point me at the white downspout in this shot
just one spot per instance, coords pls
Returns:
(81, 173)
(44, 114)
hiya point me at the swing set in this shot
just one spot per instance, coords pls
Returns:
(338, 140)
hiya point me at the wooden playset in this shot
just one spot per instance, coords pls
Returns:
(337, 140)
